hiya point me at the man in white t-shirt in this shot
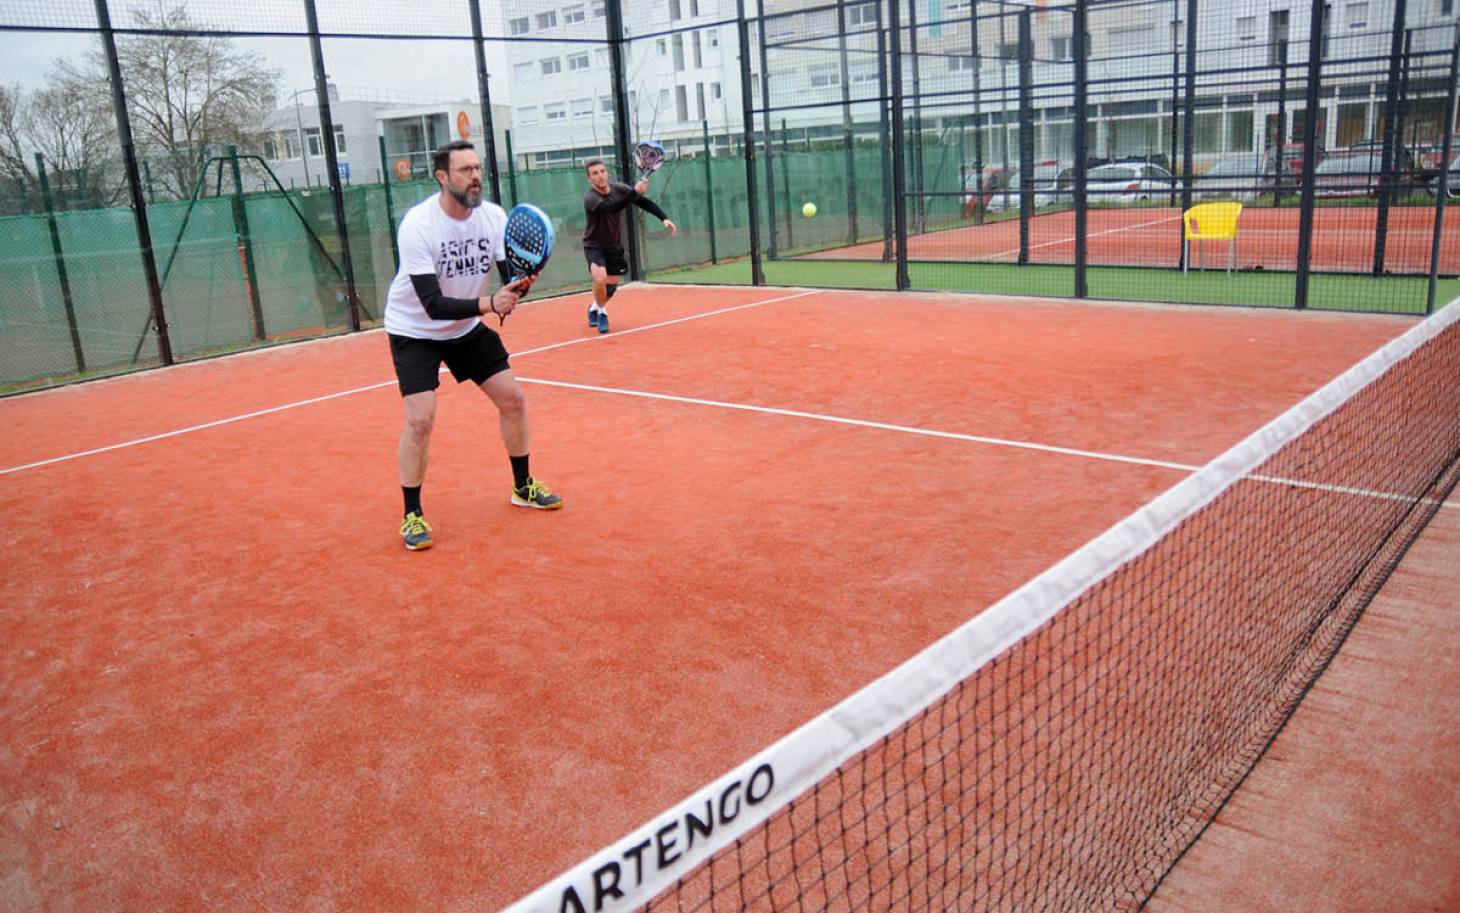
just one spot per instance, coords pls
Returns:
(448, 244)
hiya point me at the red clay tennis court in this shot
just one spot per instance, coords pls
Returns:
(1343, 240)
(228, 687)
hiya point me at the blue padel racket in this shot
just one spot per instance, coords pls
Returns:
(529, 242)
(648, 155)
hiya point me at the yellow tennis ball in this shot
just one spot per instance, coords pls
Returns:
(808, 210)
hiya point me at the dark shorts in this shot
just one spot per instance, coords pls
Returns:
(474, 357)
(610, 258)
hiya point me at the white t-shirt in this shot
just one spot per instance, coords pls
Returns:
(461, 252)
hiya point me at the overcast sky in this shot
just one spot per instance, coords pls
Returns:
(442, 70)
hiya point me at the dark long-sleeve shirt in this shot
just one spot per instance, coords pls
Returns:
(605, 228)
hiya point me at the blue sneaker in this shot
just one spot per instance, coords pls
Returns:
(603, 321)
(593, 313)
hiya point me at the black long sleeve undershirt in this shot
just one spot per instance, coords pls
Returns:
(442, 307)
(650, 207)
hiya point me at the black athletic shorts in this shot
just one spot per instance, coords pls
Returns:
(474, 357)
(610, 258)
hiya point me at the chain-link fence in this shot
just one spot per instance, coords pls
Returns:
(1092, 149)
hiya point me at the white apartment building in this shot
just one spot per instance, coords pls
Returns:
(562, 102)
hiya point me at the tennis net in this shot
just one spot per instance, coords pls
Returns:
(1061, 750)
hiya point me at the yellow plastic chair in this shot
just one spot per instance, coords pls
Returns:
(1212, 222)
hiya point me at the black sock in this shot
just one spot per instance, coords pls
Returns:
(413, 498)
(609, 294)
(519, 471)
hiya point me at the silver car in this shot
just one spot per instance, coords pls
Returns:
(1128, 184)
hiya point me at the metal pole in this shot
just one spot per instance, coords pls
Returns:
(977, 112)
(512, 166)
(747, 125)
(765, 129)
(134, 181)
(389, 204)
(1082, 158)
(1393, 141)
(151, 191)
(303, 146)
(1175, 84)
(884, 101)
(1310, 154)
(786, 186)
(1442, 183)
(919, 187)
(899, 198)
(489, 134)
(1282, 124)
(1026, 131)
(245, 247)
(709, 192)
(1397, 53)
(59, 254)
(615, 26)
(848, 137)
(331, 162)
(1188, 128)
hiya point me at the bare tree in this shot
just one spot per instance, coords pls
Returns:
(74, 131)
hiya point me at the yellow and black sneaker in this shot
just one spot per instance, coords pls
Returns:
(416, 532)
(536, 495)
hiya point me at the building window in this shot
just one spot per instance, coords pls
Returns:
(1059, 49)
(1277, 37)
(553, 113)
(1246, 28)
(1358, 15)
(700, 100)
(600, 9)
(522, 72)
(677, 42)
(517, 26)
(713, 37)
(578, 61)
(714, 91)
(662, 45)
(605, 104)
(575, 13)
(694, 7)
(600, 55)
(311, 137)
(340, 139)
(551, 66)
(699, 55)
(863, 14)
(674, 13)
(271, 148)
(582, 107)
(1009, 51)
(825, 78)
(547, 20)
(291, 144)
(527, 115)
(681, 103)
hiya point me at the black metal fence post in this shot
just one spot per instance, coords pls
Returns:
(884, 123)
(899, 139)
(848, 134)
(245, 247)
(615, 26)
(489, 136)
(1188, 128)
(1442, 182)
(786, 185)
(747, 114)
(772, 243)
(512, 164)
(134, 181)
(331, 162)
(1392, 104)
(919, 187)
(1281, 162)
(60, 257)
(1078, 43)
(1310, 154)
(977, 113)
(389, 204)
(709, 193)
(1026, 130)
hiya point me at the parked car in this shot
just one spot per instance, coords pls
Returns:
(1292, 159)
(1241, 178)
(1358, 169)
(1452, 183)
(1000, 194)
(1128, 184)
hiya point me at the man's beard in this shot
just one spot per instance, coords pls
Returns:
(471, 198)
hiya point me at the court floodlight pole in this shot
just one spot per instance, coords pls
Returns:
(899, 198)
(1310, 154)
(1442, 183)
(747, 114)
(1082, 141)
(134, 181)
(489, 138)
(615, 26)
(331, 161)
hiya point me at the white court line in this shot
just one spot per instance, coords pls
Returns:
(388, 383)
(958, 436)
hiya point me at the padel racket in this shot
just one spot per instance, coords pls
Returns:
(528, 241)
(648, 155)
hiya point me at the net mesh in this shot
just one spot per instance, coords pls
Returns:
(1092, 741)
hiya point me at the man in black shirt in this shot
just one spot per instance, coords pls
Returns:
(603, 239)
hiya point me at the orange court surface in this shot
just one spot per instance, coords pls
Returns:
(226, 686)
